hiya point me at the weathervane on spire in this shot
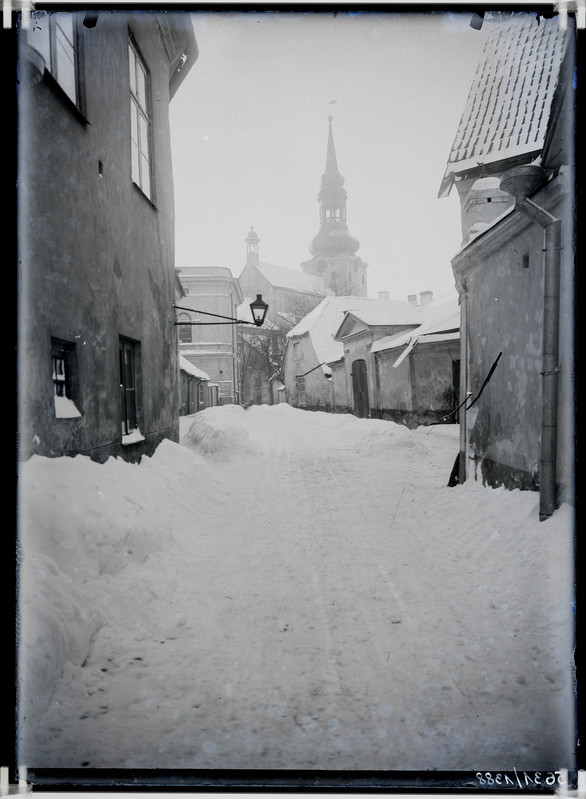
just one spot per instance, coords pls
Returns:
(331, 102)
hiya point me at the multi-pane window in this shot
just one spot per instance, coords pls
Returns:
(128, 357)
(140, 122)
(54, 36)
(64, 377)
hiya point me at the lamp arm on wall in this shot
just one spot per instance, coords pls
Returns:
(232, 320)
(323, 363)
(258, 308)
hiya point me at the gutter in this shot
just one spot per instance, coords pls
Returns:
(521, 182)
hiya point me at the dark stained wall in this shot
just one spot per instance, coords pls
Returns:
(96, 255)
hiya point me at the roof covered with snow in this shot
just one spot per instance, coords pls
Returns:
(322, 323)
(291, 279)
(188, 367)
(386, 312)
(507, 110)
(440, 322)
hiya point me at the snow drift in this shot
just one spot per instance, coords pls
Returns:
(287, 589)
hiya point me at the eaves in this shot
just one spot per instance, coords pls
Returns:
(508, 226)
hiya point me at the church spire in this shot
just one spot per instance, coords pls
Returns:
(334, 248)
(333, 237)
(331, 160)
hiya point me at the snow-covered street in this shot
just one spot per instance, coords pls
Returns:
(292, 590)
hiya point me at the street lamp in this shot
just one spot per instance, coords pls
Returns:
(258, 308)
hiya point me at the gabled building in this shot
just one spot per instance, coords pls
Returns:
(377, 358)
(512, 163)
(360, 328)
(315, 370)
(289, 292)
(98, 361)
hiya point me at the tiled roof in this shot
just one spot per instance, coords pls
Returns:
(507, 110)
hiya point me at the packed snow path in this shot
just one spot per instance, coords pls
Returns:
(319, 599)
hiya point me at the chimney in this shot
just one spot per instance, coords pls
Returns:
(412, 299)
(425, 297)
(383, 295)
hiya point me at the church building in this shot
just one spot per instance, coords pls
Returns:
(291, 294)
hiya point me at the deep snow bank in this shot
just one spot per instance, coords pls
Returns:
(368, 437)
(218, 432)
(80, 524)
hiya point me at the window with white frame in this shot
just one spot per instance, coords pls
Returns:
(140, 121)
(55, 37)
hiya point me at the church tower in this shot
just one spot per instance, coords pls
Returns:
(334, 248)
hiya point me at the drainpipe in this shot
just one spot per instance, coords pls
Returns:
(462, 461)
(522, 182)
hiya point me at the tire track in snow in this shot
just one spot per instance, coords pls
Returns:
(330, 486)
(323, 488)
(386, 577)
(426, 564)
(285, 671)
(287, 458)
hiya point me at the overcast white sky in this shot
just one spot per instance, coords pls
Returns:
(249, 134)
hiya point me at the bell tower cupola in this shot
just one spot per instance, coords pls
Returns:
(252, 241)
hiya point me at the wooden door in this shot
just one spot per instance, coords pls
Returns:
(360, 389)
